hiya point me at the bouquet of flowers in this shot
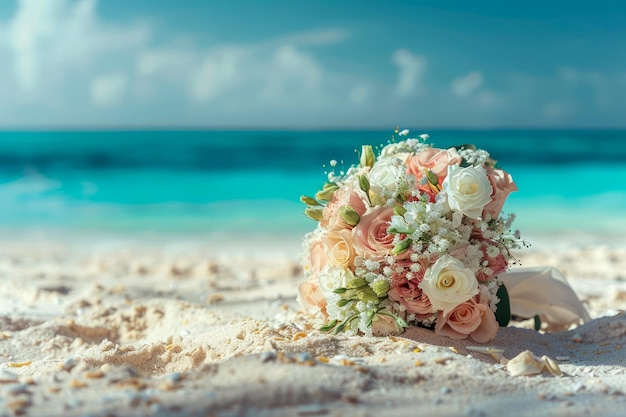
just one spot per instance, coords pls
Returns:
(411, 235)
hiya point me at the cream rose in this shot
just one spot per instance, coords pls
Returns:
(316, 258)
(448, 283)
(468, 190)
(384, 325)
(339, 249)
(383, 176)
(311, 297)
(334, 278)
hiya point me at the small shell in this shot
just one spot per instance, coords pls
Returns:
(525, 364)
(552, 367)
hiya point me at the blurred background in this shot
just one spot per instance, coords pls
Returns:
(211, 117)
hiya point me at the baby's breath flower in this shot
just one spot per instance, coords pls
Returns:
(372, 265)
(493, 251)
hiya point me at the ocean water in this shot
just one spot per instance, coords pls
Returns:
(249, 182)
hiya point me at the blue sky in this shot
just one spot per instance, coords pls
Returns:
(305, 64)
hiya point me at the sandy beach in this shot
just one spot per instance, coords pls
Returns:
(195, 326)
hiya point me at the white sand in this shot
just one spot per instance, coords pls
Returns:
(114, 326)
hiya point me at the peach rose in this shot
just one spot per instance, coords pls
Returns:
(468, 319)
(384, 325)
(435, 160)
(370, 237)
(311, 297)
(316, 258)
(341, 198)
(502, 185)
(338, 248)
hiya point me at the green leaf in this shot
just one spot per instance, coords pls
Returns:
(503, 310)
(537, 323)
(329, 326)
(340, 290)
(432, 178)
(469, 146)
(343, 302)
(370, 317)
(339, 328)
(399, 210)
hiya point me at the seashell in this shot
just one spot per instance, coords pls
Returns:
(552, 366)
(525, 364)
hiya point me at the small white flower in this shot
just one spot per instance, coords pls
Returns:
(493, 251)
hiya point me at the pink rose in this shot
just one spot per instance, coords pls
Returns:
(310, 296)
(370, 237)
(338, 248)
(468, 319)
(502, 185)
(405, 287)
(435, 160)
(407, 293)
(343, 197)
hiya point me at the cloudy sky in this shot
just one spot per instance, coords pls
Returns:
(303, 64)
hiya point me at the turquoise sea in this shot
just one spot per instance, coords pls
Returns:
(242, 182)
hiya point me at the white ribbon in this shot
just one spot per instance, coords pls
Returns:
(545, 292)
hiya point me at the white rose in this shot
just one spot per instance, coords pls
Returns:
(383, 176)
(333, 278)
(448, 283)
(468, 190)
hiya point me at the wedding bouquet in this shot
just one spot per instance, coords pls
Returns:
(411, 235)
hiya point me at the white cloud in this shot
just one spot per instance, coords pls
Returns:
(61, 63)
(555, 111)
(50, 40)
(466, 85)
(359, 94)
(108, 90)
(316, 37)
(410, 71)
(217, 73)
